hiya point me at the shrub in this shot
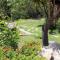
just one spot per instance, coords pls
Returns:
(11, 54)
(8, 36)
(29, 51)
(31, 48)
(1, 54)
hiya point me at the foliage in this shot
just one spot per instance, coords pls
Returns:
(58, 25)
(5, 11)
(29, 52)
(11, 54)
(31, 48)
(44, 6)
(1, 54)
(8, 36)
(22, 9)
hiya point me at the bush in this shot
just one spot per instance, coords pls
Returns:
(30, 48)
(8, 36)
(11, 54)
(29, 51)
(1, 54)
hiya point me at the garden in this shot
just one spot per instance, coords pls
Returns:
(15, 45)
(26, 26)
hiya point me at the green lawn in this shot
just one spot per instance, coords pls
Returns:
(34, 26)
(55, 37)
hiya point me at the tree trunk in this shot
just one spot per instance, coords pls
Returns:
(45, 35)
(45, 26)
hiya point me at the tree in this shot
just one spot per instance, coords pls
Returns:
(54, 13)
(52, 10)
(46, 9)
(4, 9)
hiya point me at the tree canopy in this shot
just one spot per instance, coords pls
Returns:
(23, 9)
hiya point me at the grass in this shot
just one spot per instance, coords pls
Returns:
(34, 26)
(55, 37)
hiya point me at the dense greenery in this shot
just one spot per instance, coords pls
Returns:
(14, 45)
(29, 45)
(58, 25)
(21, 9)
(5, 11)
(10, 48)
(29, 53)
(8, 36)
